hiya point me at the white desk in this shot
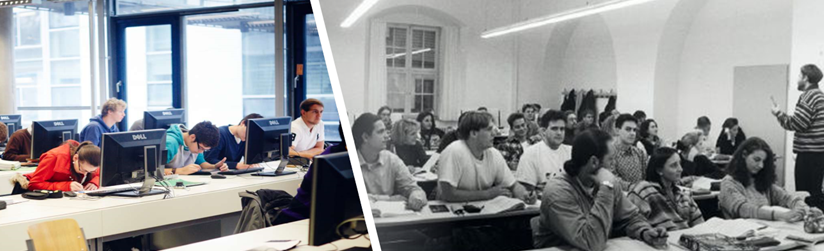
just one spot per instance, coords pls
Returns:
(426, 216)
(111, 216)
(5, 185)
(298, 230)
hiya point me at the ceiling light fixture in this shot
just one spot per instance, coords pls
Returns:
(563, 16)
(357, 13)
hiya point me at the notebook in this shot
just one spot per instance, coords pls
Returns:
(385, 209)
(502, 204)
(6, 165)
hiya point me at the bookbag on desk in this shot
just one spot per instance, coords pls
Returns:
(260, 208)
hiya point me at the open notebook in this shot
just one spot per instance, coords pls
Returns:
(733, 228)
(385, 209)
(503, 204)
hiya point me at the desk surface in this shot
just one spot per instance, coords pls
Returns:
(5, 176)
(426, 216)
(298, 230)
(777, 229)
(111, 215)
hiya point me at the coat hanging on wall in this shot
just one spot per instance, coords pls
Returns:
(569, 101)
(607, 109)
(587, 103)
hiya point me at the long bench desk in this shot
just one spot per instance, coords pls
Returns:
(112, 217)
(298, 230)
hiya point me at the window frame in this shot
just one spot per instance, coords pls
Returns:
(412, 74)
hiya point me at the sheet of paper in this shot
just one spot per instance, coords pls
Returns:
(730, 228)
(703, 183)
(391, 208)
(276, 245)
(431, 162)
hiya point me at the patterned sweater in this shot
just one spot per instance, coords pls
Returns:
(807, 122)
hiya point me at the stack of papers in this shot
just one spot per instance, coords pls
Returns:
(6, 165)
(503, 204)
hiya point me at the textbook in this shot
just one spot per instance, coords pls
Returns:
(502, 204)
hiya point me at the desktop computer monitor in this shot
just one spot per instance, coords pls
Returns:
(334, 198)
(13, 123)
(163, 119)
(47, 135)
(131, 157)
(263, 139)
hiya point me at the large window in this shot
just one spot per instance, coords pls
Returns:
(51, 69)
(317, 80)
(412, 54)
(230, 65)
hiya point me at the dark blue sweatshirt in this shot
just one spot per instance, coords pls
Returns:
(95, 129)
(227, 148)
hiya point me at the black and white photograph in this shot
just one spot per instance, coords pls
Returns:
(585, 125)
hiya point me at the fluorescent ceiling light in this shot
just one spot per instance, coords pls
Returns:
(563, 16)
(413, 53)
(358, 12)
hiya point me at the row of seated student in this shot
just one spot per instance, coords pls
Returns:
(582, 187)
(73, 166)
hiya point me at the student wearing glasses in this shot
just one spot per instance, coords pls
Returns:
(186, 146)
(72, 166)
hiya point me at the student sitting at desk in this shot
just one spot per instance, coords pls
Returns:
(513, 147)
(471, 170)
(406, 140)
(545, 159)
(660, 199)
(72, 166)
(111, 113)
(749, 190)
(629, 162)
(186, 146)
(430, 134)
(300, 206)
(232, 144)
(385, 175)
(730, 138)
(19, 146)
(571, 124)
(308, 130)
(582, 207)
(648, 136)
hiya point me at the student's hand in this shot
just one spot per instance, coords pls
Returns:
(76, 187)
(499, 191)
(190, 169)
(603, 175)
(656, 237)
(530, 197)
(90, 187)
(815, 211)
(222, 165)
(795, 215)
(242, 166)
(416, 201)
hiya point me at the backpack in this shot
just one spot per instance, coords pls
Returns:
(260, 208)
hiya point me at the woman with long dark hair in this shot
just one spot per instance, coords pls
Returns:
(731, 137)
(648, 135)
(659, 198)
(749, 191)
(430, 135)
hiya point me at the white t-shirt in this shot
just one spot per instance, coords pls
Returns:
(304, 138)
(539, 163)
(461, 169)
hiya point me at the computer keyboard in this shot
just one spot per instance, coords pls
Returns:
(111, 190)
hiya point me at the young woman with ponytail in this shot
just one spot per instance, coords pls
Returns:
(72, 166)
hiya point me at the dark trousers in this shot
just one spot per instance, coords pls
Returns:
(809, 171)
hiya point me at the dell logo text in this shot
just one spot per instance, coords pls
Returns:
(4, 117)
(274, 122)
(167, 113)
(58, 123)
(139, 137)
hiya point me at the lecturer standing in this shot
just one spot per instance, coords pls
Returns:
(808, 124)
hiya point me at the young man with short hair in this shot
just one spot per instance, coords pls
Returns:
(470, 169)
(308, 130)
(111, 113)
(545, 160)
(384, 173)
(629, 162)
(232, 144)
(186, 146)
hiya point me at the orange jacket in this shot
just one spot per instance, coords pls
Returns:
(54, 171)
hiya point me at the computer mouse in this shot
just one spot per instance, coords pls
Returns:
(69, 194)
(218, 176)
